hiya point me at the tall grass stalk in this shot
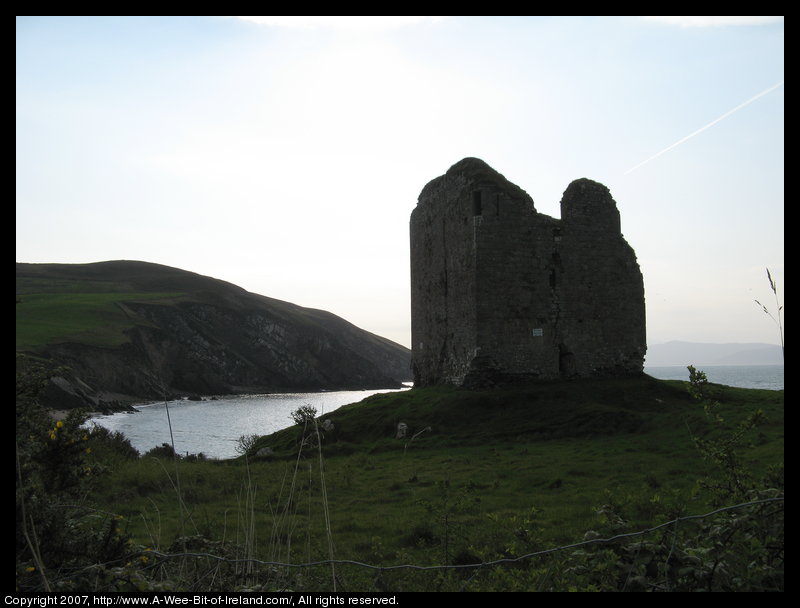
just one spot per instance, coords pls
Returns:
(182, 509)
(155, 538)
(778, 316)
(30, 535)
(177, 484)
(283, 526)
(248, 525)
(325, 509)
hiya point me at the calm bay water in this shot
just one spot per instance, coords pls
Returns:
(213, 427)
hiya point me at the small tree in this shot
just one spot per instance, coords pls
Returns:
(303, 414)
(245, 443)
(732, 480)
(748, 546)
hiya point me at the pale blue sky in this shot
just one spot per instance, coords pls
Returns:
(286, 156)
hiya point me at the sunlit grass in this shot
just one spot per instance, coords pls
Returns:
(90, 318)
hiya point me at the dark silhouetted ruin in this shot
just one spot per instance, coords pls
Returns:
(502, 293)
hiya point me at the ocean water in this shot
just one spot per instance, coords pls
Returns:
(213, 427)
(769, 377)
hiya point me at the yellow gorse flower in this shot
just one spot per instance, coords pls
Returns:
(54, 431)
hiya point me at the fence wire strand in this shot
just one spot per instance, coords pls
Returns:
(497, 562)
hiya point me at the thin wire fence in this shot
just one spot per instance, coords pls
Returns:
(497, 562)
(463, 576)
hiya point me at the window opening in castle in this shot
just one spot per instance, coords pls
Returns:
(566, 361)
(477, 204)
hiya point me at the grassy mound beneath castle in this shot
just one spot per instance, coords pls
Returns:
(480, 477)
(440, 417)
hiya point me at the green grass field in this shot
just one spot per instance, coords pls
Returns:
(498, 474)
(90, 318)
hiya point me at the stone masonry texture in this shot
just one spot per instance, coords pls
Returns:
(501, 293)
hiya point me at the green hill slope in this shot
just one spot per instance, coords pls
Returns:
(133, 330)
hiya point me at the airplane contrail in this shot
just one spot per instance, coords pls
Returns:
(711, 124)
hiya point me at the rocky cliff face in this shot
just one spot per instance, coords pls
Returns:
(215, 338)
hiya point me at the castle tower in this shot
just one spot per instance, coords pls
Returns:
(501, 293)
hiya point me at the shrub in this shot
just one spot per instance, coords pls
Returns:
(245, 443)
(303, 415)
(56, 531)
(107, 444)
(164, 450)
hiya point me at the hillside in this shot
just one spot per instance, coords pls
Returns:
(130, 331)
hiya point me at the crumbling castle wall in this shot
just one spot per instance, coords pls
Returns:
(502, 293)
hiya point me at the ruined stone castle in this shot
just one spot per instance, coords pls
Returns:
(502, 293)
